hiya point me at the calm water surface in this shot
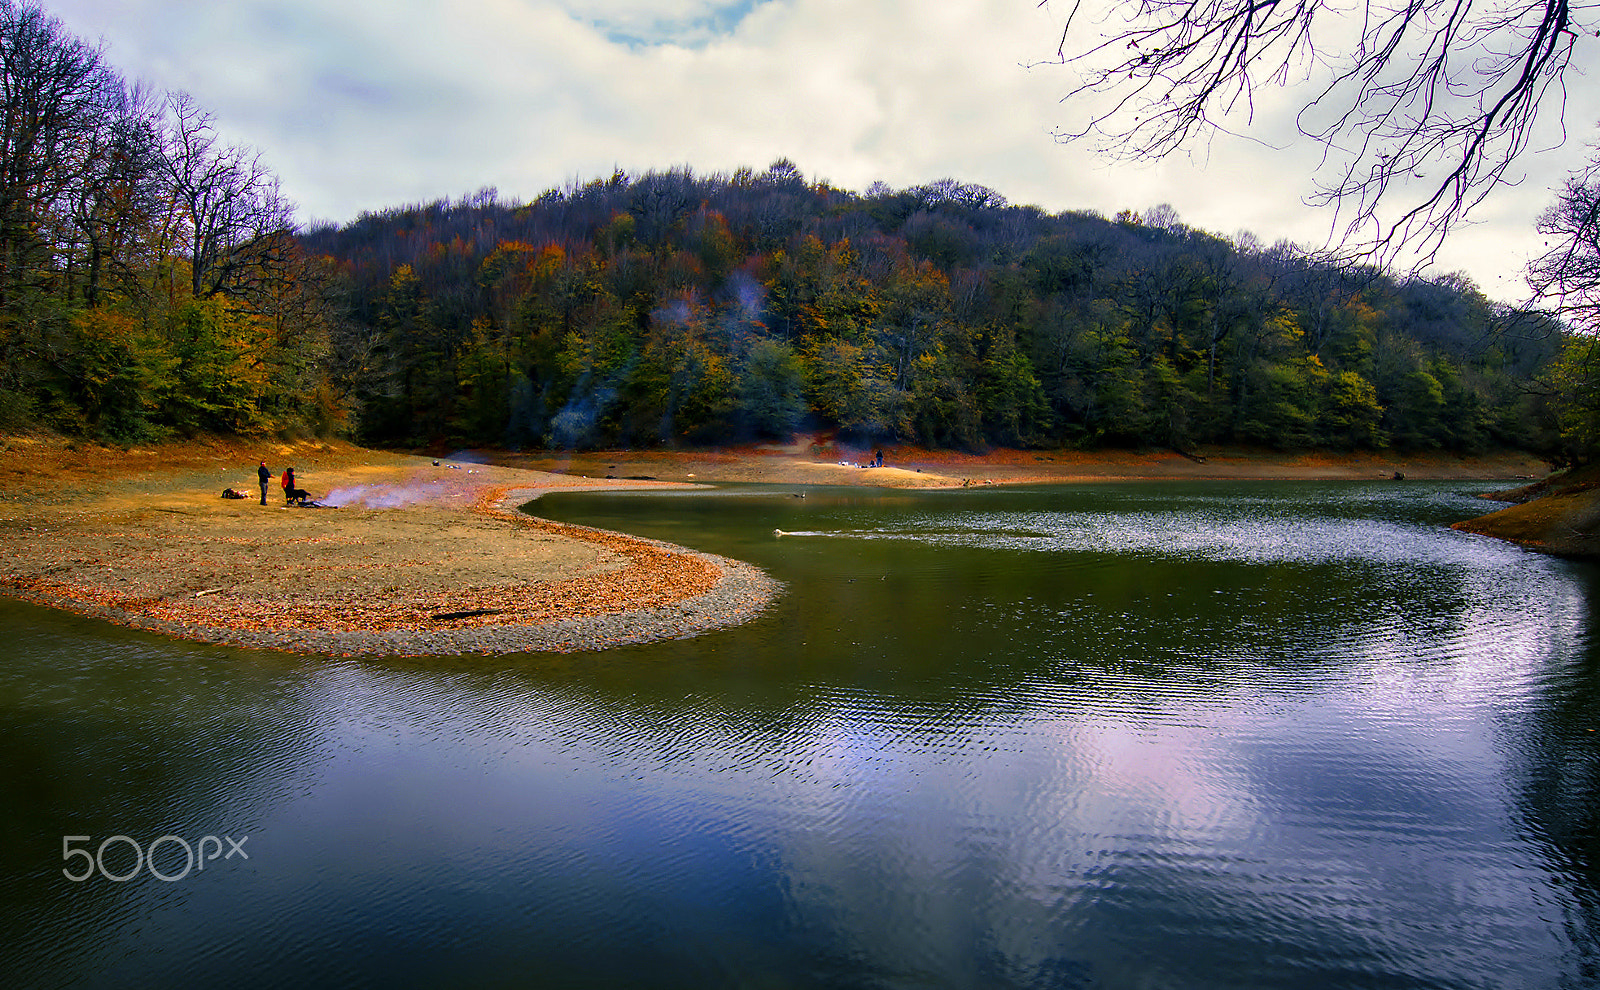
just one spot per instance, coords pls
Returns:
(1145, 735)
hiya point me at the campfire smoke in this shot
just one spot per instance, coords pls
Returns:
(383, 496)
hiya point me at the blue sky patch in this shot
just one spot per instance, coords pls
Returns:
(644, 31)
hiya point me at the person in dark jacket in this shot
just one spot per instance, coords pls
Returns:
(265, 477)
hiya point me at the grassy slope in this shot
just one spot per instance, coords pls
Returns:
(1559, 515)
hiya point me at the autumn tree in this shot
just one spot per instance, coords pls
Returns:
(114, 229)
(770, 390)
(50, 84)
(150, 279)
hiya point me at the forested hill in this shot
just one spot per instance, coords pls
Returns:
(672, 307)
(154, 281)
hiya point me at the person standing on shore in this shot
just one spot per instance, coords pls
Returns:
(265, 477)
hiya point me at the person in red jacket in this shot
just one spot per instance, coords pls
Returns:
(291, 494)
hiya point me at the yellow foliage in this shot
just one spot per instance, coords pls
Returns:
(106, 325)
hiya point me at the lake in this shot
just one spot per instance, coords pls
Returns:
(1152, 735)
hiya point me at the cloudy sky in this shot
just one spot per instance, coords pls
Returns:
(361, 105)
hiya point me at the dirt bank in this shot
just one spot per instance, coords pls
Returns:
(823, 461)
(1558, 515)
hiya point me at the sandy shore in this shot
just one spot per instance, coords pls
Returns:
(417, 558)
(428, 555)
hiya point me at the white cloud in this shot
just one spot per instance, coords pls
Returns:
(364, 105)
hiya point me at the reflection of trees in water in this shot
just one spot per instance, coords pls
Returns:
(110, 732)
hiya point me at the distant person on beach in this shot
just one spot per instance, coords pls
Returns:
(265, 477)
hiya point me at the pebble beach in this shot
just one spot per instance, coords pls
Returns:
(401, 556)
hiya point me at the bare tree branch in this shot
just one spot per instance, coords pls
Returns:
(229, 209)
(1422, 106)
(1566, 278)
